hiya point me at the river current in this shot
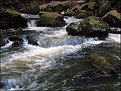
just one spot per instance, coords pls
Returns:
(56, 64)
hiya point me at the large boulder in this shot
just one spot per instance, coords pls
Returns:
(50, 19)
(113, 18)
(90, 26)
(11, 19)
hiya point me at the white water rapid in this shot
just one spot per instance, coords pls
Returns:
(31, 60)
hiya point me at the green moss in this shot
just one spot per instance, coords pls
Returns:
(14, 13)
(51, 19)
(101, 63)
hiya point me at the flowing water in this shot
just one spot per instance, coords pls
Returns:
(56, 64)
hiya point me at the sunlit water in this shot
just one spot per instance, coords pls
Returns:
(56, 64)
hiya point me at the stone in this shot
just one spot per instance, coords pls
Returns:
(91, 27)
(50, 19)
(113, 18)
(11, 19)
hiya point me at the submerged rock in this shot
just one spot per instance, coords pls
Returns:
(90, 26)
(113, 18)
(101, 63)
(50, 19)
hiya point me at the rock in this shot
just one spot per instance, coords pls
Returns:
(82, 14)
(93, 26)
(90, 26)
(3, 42)
(59, 6)
(11, 19)
(70, 13)
(31, 40)
(31, 7)
(72, 29)
(101, 63)
(50, 19)
(16, 44)
(15, 38)
(113, 18)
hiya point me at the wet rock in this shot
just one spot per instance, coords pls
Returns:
(16, 38)
(11, 19)
(50, 19)
(101, 63)
(16, 44)
(31, 40)
(93, 26)
(72, 29)
(90, 26)
(113, 18)
(3, 42)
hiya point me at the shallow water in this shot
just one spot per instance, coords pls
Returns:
(57, 63)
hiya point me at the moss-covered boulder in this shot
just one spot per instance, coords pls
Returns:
(113, 18)
(11, 19)
(93, 26)
(101, 63)
(90, 26)
(50, 19)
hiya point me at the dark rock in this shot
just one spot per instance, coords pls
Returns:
(31, 7)
(11, 19)
(72, 29)
(113, 18)
(31, 40)
(16, 38)
(3, 42)
(50, 19)
(16, 43)
(90, 26)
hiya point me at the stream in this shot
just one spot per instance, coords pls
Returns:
(57, 63)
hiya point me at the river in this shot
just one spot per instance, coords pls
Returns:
(56, 64)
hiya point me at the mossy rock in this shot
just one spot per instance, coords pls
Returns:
(101, 63)
(12, 19)
(82, 14)
(93, 26)
(113, 18)
(50, 19)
